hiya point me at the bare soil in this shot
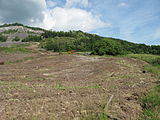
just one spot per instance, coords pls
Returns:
(49, 86)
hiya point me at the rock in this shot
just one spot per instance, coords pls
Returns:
(143, 71)
(1, 62)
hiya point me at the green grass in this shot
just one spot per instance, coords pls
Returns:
(145, 57)
(153, 60)
(153, 69)
(62, 87)
(15, 49)
(151, 105)
(11, 86)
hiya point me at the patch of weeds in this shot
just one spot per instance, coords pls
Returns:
(96, 113)
(14, 50)
(152, 59)
(9, 86)
(153, 69)
(151, 105)
(34, 117)
(62, 87)
(98, 116)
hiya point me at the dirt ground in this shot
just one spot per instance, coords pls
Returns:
(49, 86)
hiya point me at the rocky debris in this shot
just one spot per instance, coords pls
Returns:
(20, 29)
(20, 32)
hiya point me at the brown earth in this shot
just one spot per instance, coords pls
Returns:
(49, 86)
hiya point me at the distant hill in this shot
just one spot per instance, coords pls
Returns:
(81, 41)
(73, 40)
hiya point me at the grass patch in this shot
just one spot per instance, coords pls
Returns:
(151, 105)
(153, 69)
(14, 49)
(152, 59)
(10, 86)
(62, 87)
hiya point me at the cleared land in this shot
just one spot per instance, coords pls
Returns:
(47, 86)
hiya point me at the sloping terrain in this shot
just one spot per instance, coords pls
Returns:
(20, 31)
(49, 86)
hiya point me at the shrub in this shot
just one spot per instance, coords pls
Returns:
(3, 38)
(106, 46)
(32, 38)
(58, 44)
(16, 39)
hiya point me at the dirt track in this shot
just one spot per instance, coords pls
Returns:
(48, 86)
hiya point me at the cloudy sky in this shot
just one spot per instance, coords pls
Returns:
(133, 20)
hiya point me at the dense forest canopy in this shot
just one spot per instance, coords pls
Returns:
(80, 41)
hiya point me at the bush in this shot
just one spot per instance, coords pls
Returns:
(10, 31)
(16, 39)
(105, 46)
(3, 38)
(32, 38)
(59, 44)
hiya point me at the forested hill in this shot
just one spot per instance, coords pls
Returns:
(79, 41)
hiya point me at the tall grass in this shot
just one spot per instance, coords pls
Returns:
(152, 59)
(151, 105)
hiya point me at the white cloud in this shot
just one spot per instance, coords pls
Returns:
(44, 14)
(156, 34)
(72, 19)
(21, 10)
(123, 4)
(71, 3)
(51, 3)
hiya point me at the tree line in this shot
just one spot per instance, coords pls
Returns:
(77, 40)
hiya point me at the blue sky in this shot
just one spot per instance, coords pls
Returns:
(132, 20)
